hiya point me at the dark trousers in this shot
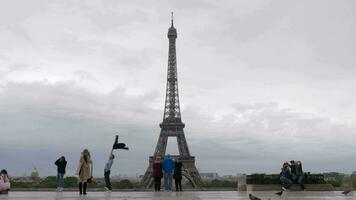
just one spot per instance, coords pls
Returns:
(178, 183)
(107, 179)
(157, 184)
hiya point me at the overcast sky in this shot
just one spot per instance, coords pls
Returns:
(260, 82)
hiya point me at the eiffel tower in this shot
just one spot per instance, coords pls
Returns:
(172, 125)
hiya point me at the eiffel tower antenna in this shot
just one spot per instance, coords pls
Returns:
(172, 125)
(171, 19)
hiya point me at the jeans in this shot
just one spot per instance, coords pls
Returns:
(286, 182)
(157, 184)
(107, 179)
(60, 180)
(168, 181)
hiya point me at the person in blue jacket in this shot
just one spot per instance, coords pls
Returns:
(168, 169)
(286, 176)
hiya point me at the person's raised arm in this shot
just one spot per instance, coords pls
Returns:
(57, 162)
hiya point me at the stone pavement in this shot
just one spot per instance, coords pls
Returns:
(173, 196)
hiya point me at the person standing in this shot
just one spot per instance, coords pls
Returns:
(61, 164)
(157, 173)
(84, 171)
(107, 172)
(168, 168)
(177, 175)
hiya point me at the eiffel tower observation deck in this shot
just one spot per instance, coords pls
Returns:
(172, 125)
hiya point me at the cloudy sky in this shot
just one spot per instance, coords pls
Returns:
(260, 82)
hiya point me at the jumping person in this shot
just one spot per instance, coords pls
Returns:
(4, 182)
(177, 175)
(157, 173)
(168, 168)
(84, 171)
(107, 172)
(61, 170)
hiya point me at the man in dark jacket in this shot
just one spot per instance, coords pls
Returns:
(168, 168)
(61, 170)
(177, 175)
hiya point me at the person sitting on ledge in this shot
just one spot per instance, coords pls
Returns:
(286, 176)
(4, 182)
(299, 174)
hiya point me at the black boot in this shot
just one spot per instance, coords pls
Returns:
(80, 188)
(85, 188)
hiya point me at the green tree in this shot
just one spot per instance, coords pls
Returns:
(49, 182)
(70, 181)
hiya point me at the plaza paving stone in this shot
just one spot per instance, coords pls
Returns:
(191, 195)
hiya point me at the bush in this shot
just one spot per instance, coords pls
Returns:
(335, 183)
(49, 182)
(70, 182)
(216, 183)
(275, 179)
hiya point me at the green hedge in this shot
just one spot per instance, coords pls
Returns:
(275, 179)
(72, 182)
(216, 183)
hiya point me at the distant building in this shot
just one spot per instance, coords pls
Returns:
(333, 176)
(353, 176)
(34, 174)
(229, 177)
(209, 175)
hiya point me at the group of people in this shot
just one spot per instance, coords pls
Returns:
(292, 172)
(169, 169)
(4, 181)
(84, 172)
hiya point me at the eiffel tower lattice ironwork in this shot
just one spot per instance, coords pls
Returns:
(172, 125)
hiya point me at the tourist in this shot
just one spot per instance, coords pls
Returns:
(177, 175)
(107, 169)
(157, 173)
(4, 181)
(292, 167)
(61, 170)
(299, 174)
(286, 176)
(168, 167)
(84, 171)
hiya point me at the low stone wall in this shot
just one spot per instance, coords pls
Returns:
(295, 187)
(4, 192)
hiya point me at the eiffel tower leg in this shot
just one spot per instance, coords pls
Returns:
(160, 151)
(182, 145)
(161, 145)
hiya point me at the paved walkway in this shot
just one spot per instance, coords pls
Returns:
(173, 196)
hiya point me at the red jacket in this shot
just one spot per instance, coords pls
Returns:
(157, 170)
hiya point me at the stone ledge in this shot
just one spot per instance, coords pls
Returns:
(4, 192)
(295, 187)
